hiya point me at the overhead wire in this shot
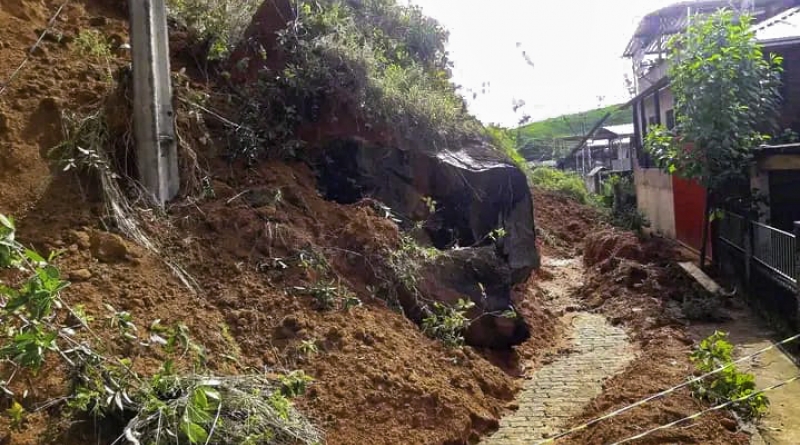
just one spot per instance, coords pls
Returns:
(4, 85)
(665, 392)
(706, 411)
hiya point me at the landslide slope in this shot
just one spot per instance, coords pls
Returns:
(255, 236)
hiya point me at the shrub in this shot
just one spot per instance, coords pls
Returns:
(566, 183)
(91, 43)
(207, 409)
(448, 323)
(505, 141)
(730, 384)
(619, 195)
(383, 63)
(220, 23)
(166, 409)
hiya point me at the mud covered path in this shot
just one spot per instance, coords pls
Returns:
(594, 350)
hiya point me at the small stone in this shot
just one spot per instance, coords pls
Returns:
(80, 275)
(729, 424)
(81, 238)
(108, 247)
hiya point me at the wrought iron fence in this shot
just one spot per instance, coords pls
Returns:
(775, 249)
(733, 230)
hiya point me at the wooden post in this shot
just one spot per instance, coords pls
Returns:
(153, 116)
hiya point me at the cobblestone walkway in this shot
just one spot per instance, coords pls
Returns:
(559, 391)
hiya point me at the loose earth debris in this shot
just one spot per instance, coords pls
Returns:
(557, 391)
(249, 240)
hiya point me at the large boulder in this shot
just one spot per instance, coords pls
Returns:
(476, 191)
(479, 275)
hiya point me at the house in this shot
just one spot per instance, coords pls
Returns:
(758, 251)
(608, 147)
(674, 206)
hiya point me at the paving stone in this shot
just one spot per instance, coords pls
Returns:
(559, 391)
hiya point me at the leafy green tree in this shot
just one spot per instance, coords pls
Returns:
(727, 95)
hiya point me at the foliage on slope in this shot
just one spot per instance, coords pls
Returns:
(375, 65)
(536, 139)
(250, 238)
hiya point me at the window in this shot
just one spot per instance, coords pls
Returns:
(670, 119)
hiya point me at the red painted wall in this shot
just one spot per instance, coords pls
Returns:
(690, 203)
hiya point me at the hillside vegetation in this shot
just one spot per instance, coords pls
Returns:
(535, 140)
(251, 309)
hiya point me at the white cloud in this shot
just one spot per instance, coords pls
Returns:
(575, 46)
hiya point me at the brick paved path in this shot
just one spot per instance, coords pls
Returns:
(559, 391)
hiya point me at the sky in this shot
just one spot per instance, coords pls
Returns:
(575, 47)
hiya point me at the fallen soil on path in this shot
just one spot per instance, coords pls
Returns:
(378, 379)
(636, 284)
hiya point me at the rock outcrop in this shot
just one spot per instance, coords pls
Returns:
(464, 197)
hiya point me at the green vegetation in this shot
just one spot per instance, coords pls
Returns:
(619, 196)
(91, 43)
(566, 183)
(407, 262)
(535, 140)
(725, 91)
(506, 141)
(713, 353)
(331, 294)
(39, 328)
(447, 323)
(219, 23)
(380, 62)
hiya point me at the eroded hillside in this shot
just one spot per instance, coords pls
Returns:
(251, 270)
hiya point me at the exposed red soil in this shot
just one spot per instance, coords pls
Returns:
(634, 282)
(378, 378)
(562, 223)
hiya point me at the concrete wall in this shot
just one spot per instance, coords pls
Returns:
(654, 199)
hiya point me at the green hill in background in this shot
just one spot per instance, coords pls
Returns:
(535, 140)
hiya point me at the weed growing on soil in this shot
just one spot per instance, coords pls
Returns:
(307, 348)
(204, 409)
(84, 137)
(91, 43)
(166, 409)
(331, 295)
(715, 352)
(448, 323)
(16, 414)
(219, 23)
(408, 260)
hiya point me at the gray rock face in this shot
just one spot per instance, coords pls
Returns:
(475, 192)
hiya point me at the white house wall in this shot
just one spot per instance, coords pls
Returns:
(655, 200)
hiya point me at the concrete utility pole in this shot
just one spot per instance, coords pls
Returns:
(153, 116)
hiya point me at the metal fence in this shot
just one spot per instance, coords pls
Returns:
(775, 249)
(733, 230)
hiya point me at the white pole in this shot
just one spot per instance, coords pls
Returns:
(153, 115)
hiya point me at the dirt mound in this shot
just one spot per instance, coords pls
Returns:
(562, 223)
(634, 282)
(663, 364)
(251, 240)
(611, 245)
